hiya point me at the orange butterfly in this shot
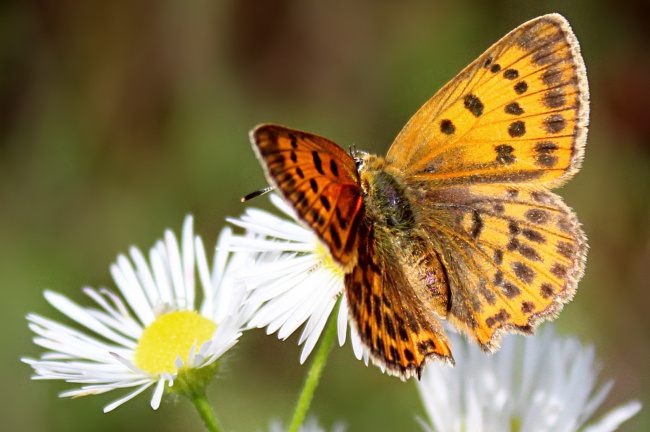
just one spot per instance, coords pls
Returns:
(457, 221)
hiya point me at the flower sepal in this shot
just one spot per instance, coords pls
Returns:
(191, 382)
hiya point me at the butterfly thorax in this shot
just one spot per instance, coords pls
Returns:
(385, 196)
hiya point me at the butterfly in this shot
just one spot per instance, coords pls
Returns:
(458, 220)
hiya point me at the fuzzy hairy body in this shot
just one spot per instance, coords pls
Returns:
(398, 216)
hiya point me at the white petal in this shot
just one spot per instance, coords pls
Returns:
(116, 315)
(145, 276)
(615, 418)
(342, 320)
(161, 275)
(208, 306)
(113, 405)
(81, 316)
(127, 282)
(176, 270)
(315, 331)
(188, 261)
(157, 394)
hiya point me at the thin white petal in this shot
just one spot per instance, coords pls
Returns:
(81, 316)
(342, 324)
(611, 421)
(357, 345)
(129, 365)
(161, 275)
(110, 407)
(118, 317)
(145, 276)
(127, 282)
(207, 308)
(188, 261)
(315, 332)
(176, 270)
(157, 394)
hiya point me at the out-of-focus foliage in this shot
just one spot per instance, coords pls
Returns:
(117, 118)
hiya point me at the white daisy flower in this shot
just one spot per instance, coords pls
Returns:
(539, 383)
(294, 276)
(153, 335)
(311, 425)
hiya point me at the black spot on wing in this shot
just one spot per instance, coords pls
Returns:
(521, 87)
(318, 163)
(517, 129)
(447, 127)
(504, 154)
(514, 108)
(474, 105)
(334, 168)
(554, 123)
(511, 74)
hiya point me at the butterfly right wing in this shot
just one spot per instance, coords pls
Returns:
(319, 180)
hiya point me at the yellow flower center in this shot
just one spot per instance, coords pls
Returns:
(327, 261)
(170, 335)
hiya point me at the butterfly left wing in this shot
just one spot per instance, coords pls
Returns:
(393, 316)
(513, 256)
(319, 180)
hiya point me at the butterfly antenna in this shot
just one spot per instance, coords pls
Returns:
(257, 193)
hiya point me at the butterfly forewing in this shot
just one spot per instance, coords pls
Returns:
(319, 180)
(517, 114)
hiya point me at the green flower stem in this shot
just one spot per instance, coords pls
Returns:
(200, 401)
(313, 376)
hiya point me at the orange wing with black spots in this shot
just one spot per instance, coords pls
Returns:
(319, 180)
(518, 114)
(509, 127)
(513, 256)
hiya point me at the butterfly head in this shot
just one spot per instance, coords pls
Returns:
(359, 157)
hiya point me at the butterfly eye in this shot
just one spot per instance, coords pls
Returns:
(359, 158)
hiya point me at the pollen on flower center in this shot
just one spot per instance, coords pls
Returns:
(169, 336)
(327, 261)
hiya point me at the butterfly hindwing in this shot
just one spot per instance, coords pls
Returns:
(319, 180)
(517, 114)
(396, 324)
(513, 256)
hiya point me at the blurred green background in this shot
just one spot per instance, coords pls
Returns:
(118, 118)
